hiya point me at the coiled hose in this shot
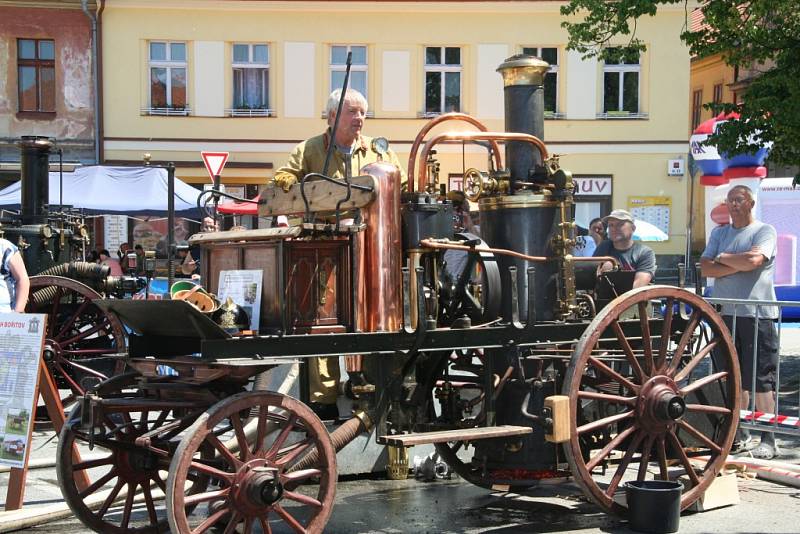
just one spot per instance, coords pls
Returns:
(93, 275)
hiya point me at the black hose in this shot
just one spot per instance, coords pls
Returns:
(79, 270)
(91, 274)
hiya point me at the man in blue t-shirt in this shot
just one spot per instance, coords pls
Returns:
(631, 255)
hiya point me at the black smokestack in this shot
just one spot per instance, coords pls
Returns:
(35, 181)
(523, 79)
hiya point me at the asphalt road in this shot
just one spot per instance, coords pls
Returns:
(382, 506)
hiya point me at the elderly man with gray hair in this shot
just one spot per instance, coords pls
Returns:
(309, 156)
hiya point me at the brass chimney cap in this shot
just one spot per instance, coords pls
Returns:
(38, 141)
(523, 69)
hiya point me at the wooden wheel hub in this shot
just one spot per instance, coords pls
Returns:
(255, 486)
(136, 466)
(51, 350)
(659, 404)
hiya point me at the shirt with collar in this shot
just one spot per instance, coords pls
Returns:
(309, 156)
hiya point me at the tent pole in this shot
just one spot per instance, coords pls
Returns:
(170, 224)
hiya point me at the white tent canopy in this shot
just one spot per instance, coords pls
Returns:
(131, 190)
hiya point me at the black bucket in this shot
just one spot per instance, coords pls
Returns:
(654, 505)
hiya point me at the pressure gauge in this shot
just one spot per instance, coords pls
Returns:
(46, 231)
(381, 146)
(83, 232)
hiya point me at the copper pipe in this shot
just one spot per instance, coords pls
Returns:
(438, 120)
(429, 243)
(476, 136)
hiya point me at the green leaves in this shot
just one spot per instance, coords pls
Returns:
(758, 38)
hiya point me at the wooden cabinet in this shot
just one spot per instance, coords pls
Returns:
(317, 285)
(306, 283)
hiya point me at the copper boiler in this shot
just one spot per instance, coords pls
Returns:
(379, 298)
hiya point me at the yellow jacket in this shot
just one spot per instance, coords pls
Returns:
(309, 156)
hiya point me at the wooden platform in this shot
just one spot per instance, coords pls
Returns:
(460, 434)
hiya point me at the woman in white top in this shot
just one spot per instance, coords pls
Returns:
(14, 282)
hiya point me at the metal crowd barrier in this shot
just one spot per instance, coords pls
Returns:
(752, 418)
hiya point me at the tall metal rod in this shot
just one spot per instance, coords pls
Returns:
(170, 224)
(338, 114)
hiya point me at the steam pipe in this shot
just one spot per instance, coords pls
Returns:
(429, 243)
(477, 136)
(412, 158)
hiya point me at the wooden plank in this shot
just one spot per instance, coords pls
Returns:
(260, 234)
(321, 194)
(460, 434)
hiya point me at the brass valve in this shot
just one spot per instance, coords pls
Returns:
(478, 184)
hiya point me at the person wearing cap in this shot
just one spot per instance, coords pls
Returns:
(309, 157)
(631, 255)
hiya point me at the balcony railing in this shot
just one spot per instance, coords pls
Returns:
(615, 115)
(167, 112)
(246, 112)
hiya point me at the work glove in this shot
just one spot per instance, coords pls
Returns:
(284, 180)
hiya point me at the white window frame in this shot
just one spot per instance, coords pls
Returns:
(621, 69)
(555, 114)
(353, 68)
(443, 68)
(251, 64)
(168, 64)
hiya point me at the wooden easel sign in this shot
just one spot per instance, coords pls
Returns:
(21, 343)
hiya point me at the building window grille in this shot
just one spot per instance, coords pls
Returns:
(167, 78)
(550, 55)
(442, 79)
(36, 75)
(621, 84)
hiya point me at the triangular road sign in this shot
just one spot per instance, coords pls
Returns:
(214, 162)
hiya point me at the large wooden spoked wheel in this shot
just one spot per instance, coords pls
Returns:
(256, 484)
(126, 476)
(79, 334)
(642, 402)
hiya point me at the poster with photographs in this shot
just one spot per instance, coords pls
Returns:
(244, 287)
(21, 342)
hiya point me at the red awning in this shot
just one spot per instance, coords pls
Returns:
(239, 208)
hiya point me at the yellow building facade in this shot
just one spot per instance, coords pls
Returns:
(252, 78)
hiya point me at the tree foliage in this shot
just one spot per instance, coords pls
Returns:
(759, 35)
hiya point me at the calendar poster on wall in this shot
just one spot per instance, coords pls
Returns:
(654, 210)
